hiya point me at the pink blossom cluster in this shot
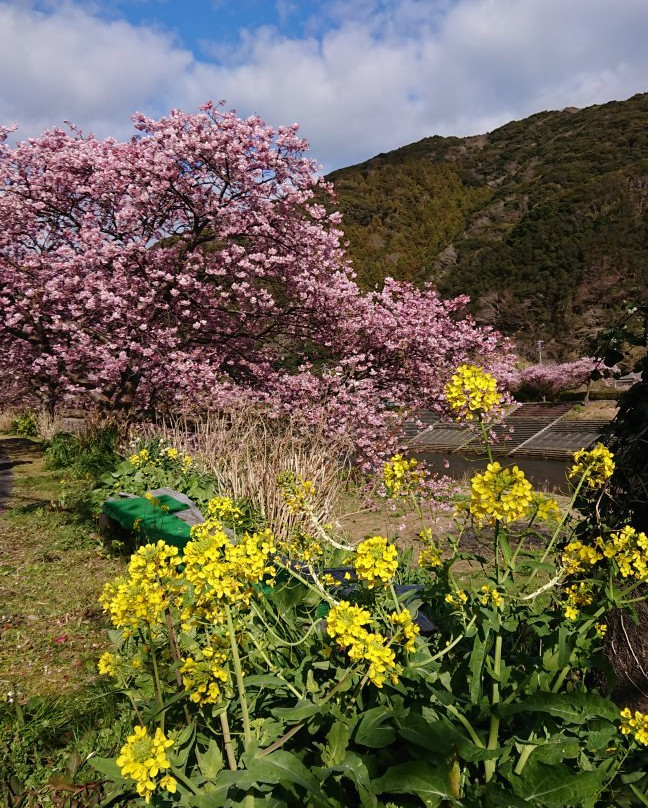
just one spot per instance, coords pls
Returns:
(196, 264)
(549, 380)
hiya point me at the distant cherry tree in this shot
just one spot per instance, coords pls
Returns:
(547, 381)
(195, 265)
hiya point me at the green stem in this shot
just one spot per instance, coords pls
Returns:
(489, 765)
(238, 672)
(156, 680)
(272, 667)
(448, 647)
(485, 436)
(556, 532)
(466, 723)
(393, 594)
(248, 801)
(227, 740)
(279, 639)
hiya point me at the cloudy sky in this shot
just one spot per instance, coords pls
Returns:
(360, 76)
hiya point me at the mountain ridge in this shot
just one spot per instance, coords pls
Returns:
(543, 221)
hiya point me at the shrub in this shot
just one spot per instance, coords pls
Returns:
(24, 423)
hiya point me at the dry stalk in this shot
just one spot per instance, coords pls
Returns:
(246, 450)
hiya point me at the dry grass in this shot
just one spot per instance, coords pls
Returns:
(246, 451)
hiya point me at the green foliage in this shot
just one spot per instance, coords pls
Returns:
(86, 455)
(542, 222)
(153, 465)
(626, 497)
(498, 707)
(46, 745)
(24, 423)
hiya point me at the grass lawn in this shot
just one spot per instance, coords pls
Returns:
(52, 569)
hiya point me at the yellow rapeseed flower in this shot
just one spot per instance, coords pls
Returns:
(635, 724)
(430, 555)
(223, 508)
(108, 664)
(471, 392)
(140, 458)
(346, 624)
(491, 595)
(143, 758)
(578, 595)
(401, 477)
(578, 557)
(500, 494)
(595, 465)
(404, 625)
(375, 561)
(204, 676)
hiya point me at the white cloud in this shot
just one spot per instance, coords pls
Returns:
(385, 74)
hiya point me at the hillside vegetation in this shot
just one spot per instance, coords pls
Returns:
(543, 222)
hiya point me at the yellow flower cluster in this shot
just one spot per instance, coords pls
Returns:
(134, 604)
(223, 508)
(108, 664)
(400, 476)
(601, 629)
(346, 624)
(302, 545)
(143, 758)
(221, 571)
(297, 493)
(595, 465)
(204, 676)
(459, 597)
(577, 557)
(635, 724)
(546, 507)
(154, 562)
(500, 494)
(578, 595)
(472, 392)
(629, 548)
(491, 595)
(404, 624)
(430, 555)
(143, 458)
(140, 598)
(375, 561)
(139, 459)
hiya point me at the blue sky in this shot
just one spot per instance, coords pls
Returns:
(359, 76)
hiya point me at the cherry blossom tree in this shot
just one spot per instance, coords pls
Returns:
(196, 263)
(549, 380)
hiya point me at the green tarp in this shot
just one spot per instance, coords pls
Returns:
(157, 519)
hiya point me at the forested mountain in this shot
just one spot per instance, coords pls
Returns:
(543, 222)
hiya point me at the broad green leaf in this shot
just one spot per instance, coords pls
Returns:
(555, 785)
(477, 657)
(264, 680)
(574, 708)
(416, 778)
(355, 770)
(371, 733)
(337, 742)
(109, 767)
(302, 710)
(285, 768)
(210, 761)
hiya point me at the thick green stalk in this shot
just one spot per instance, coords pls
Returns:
(248, 802)
(489, 765)
(238, 673)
